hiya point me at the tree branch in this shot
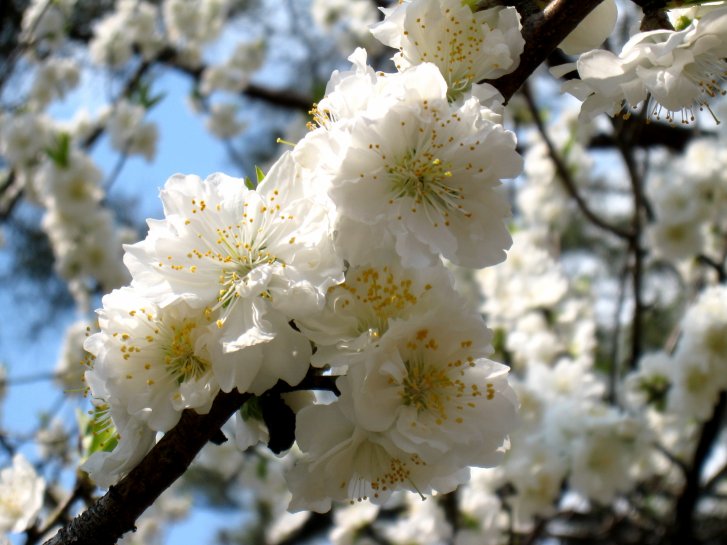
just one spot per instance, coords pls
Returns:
(543, 32)
(624, 140)
(565, 176)
(115, 513)
(684, 513)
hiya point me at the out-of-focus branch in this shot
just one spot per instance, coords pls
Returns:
(675, 138)
(684, 512)
(615, 371)
(115, 513)
(642, 210)
(717, 267)
(275, 97)
(565, 175)
(82, 489)
(543, 31)
(314, 526)
(654, 16)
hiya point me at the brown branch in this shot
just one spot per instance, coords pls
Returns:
(82, 489)
(115, 513)
(275, 97)
(717, 267)
(642, 208)
(543, 31)
(564, 174)
(684, 512)
(651, 135)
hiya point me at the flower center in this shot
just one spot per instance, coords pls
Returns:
(239, 259)
(426, 388)
(383, 294)
(424, 178)
(180, 359)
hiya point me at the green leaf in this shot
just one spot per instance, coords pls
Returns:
(60, 152)
(141, 94)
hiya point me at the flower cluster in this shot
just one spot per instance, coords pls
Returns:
(680, 70)
(358, 293)
(334, 259)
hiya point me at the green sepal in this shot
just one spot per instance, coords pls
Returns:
(259, 174)
(60, 153)
(252, 409)
(98, 434)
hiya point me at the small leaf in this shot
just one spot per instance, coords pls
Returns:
(60, 153)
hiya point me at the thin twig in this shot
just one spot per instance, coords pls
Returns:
(565, 175)
(718, 268)
(641, 207)
(615, 369)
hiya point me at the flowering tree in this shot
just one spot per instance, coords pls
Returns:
(472, 281)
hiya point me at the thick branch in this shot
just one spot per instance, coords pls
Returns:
(543, 32)
(116, 512)
(652, 135)
(684, 515)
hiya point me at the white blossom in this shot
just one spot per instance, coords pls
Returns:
(427, 385)
(344, 461)
(21, 495)
(467, 46)
(360, 310)
(53, 80)
(135, 439)
(223, 121)
(257, 258)
(154, 361)
(593, 30)
(348, 21)
(681, 70)
(72, 358)
(417, 173)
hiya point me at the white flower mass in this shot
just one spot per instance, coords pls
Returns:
(334, 259)
(396, 329)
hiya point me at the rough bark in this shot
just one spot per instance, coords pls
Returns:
(543, 31)
(115, 513)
